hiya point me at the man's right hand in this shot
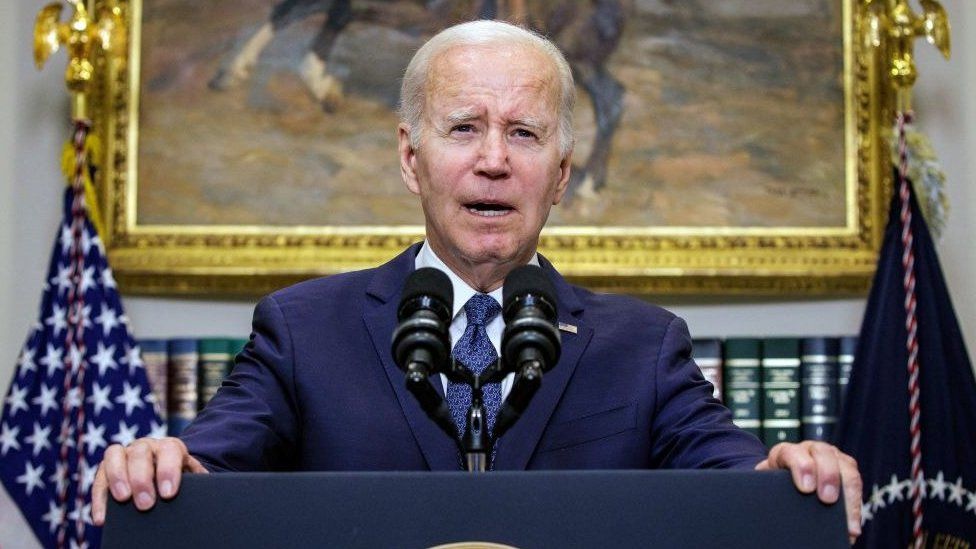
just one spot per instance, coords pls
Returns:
(141, 470)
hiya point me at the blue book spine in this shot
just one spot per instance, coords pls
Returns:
(845, 361)
(818, 372)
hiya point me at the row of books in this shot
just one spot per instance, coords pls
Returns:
(185, 373)
(781, 389)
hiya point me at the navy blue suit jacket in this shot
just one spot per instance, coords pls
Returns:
(317, 389)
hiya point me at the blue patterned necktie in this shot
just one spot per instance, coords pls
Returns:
(475, 351)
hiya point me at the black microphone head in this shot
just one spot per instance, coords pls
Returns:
(531, 333)
(527, 280)
(422, 341)
(425, 283)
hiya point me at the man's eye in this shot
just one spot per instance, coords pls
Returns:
(463, 128)
(522, 132)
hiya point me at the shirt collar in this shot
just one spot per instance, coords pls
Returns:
(462, 291)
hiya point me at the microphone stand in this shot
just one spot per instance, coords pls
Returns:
(528, 379)
(477, 441)
(436, 408)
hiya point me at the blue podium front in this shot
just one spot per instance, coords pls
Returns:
(661, 509)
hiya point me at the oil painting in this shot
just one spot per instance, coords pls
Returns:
(721, 147)
(689, 112)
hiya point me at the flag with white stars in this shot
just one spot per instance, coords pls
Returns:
(876, 426)
(79, 386)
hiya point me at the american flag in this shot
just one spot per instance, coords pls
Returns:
(79, 384)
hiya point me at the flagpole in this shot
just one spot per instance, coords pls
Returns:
(892, 27)
(87, 41)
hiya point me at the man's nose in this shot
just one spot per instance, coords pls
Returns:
(493, 161)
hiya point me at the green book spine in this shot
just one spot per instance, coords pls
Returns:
(781, 390)
(156, 360)
(707, 353)
(236, 346)
(215, 362)
(183, 363)
(743, 384)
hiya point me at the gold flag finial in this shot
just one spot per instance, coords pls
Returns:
(892, 26)
(83, 38)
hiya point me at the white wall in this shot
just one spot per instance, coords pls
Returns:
(8, 102)
(33, 123)
(946, 109)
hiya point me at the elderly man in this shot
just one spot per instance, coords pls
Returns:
(485, 142)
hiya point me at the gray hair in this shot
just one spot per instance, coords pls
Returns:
(480, 33)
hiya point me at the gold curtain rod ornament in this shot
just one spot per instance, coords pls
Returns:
(83, 38)
(892, 26)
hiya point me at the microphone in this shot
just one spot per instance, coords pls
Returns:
(530, 343)
(529, 309)
(422, 341)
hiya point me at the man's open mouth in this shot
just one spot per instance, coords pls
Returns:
(488, 209)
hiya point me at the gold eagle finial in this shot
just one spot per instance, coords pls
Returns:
(935, 23)
(83, 38)
(892, 27)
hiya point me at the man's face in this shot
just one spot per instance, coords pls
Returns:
(488, 167)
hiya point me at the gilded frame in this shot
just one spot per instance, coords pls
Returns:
(250, 260)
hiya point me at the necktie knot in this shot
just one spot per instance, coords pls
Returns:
(480, 309)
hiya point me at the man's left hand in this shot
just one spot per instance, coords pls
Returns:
(821, 467)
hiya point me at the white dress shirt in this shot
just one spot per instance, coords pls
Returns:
(462, 293)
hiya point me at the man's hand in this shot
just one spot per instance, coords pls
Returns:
(820, 466)
(135, 471)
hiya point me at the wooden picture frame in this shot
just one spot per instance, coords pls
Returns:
(829, 249)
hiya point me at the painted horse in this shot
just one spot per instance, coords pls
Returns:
(587, 32)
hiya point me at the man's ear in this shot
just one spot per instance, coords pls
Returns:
(565, 169)
(408, 159)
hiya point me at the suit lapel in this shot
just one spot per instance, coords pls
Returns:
(438, 449)
(517, 446)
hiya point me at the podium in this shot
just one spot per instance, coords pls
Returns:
(659, 509)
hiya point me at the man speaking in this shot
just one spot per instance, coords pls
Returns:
(485, 142)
